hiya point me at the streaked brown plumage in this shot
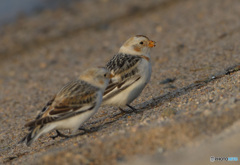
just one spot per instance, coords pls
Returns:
(131, 69)
(75, 103)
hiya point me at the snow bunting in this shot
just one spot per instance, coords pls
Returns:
(75, 103)
(131, 70)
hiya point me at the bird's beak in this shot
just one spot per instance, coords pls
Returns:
(151, 44)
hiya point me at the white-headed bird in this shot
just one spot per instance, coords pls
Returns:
(74, 104)
(131, 70)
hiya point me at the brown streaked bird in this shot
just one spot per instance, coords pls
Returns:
(131, 70)
(74, 104)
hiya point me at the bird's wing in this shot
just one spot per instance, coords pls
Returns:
(125, 72)
(74, 98)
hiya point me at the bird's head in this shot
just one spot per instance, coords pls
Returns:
(137, 45)
(98, 77)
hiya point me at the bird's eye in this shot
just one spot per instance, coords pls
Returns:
(141, 43)
(105, 75)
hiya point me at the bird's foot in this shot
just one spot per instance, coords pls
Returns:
(59, 134)
(131, 107)
(125, 111)
(129, 111)
(93, 129)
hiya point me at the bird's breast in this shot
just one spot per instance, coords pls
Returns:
(145, 69)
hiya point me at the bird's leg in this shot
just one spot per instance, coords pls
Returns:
(131, 107)
(59, 134)
(125, 111)
(134, 109)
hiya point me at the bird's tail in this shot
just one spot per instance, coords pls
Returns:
(33, 135)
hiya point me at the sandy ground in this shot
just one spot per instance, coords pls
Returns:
(181, 122)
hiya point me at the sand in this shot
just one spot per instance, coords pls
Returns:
(185, 120)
